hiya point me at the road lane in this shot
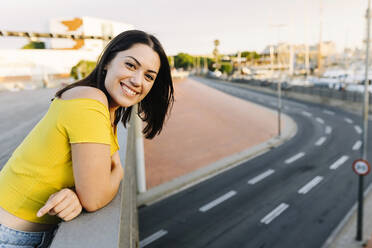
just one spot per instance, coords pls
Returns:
(236, 222)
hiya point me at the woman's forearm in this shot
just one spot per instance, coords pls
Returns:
(115, 178)
(113, 187)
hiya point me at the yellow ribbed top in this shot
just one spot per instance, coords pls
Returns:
(41, 165)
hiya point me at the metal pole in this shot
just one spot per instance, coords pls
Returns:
(140, 154)
(320, 65)
(279, 106)
(205, 65)
(359, 236)
(366, 97)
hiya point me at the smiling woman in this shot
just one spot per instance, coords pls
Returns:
(70, 160)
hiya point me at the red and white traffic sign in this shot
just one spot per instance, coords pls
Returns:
(361, 167)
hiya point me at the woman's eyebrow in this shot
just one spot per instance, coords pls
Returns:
(139, 64)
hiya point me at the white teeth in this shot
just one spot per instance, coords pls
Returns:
(126, 89)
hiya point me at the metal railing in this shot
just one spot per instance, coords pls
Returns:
(53, 35)
(350, 96)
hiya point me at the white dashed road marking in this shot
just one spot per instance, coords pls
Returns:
(275, 213)
(358, 129)
(328, 130)
(357, 145)
(348, 120)
(339, 162)
(152, 238)
(217, 201)
(320, 120)
(294, 158)
(305, 189)
(306, 113)
(328, 112)
(320, 141)
(261, 176)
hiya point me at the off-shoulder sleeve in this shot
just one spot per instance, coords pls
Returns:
(86, 121)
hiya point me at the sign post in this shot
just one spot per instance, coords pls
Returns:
(361, 167)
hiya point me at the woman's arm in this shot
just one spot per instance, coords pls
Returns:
(97, 175)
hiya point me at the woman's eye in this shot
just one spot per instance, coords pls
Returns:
(130, 65)
(149, 77)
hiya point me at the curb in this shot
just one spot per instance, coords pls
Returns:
(345, 221)
(178, 184)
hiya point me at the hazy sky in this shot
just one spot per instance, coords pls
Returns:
(192, 25)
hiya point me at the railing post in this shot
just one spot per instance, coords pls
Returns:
(140, 154)
(128, 236)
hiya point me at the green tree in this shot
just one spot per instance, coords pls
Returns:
(210, 63)
(83, 68)
(250, 55)
(226, 67)
(34, 45)
(183, 60)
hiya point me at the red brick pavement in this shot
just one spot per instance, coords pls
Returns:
(205, 125)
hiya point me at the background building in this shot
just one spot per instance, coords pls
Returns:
(41, 66)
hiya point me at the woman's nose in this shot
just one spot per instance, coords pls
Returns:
(136, 79)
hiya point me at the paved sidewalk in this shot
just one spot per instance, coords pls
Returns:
(205, 125)
(344, 235)
(208, 132)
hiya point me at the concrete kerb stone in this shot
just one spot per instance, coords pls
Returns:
(343, 236)
(178, 184)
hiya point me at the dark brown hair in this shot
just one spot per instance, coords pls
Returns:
(155, 106)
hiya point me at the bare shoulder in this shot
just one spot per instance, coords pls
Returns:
(85, 92)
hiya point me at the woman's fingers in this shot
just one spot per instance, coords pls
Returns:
(72, 215)
(53, 200)
(64, 203)
(66, 211)
(60, 206)
(67, 203)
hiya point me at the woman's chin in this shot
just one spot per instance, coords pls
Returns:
(124, 102)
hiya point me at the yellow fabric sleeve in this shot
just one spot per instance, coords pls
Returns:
(87, 121)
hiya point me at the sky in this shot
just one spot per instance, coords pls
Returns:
(191, 26)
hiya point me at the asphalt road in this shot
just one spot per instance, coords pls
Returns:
(19, 113)
(292, 196)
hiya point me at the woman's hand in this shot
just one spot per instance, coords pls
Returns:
(64, 203)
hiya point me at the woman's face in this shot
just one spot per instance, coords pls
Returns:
(131, 74)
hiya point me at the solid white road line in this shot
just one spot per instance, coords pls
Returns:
(294, 158)
(328, 112)
(348, 120)
(306, 113)
(320, 141)
(357, 145)
(275, 213)
(217, 201)
(305, 189)
(358, 129)
(339, 162)
(261, 176)
(320, 120)
(152, 238)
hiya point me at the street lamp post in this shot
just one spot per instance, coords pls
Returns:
(359, 235)
(279, 82)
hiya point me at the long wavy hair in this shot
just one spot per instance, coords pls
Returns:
(154, 108)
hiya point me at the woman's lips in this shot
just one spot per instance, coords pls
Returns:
(127, 90)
